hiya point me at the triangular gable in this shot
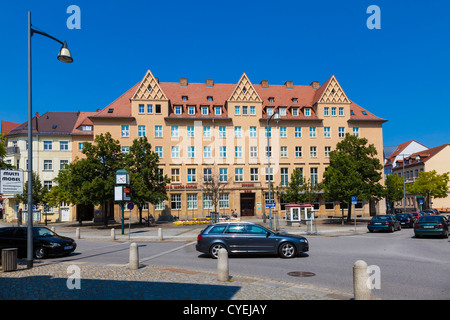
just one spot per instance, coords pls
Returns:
(149, 89)
(244, 91)
(333, 92)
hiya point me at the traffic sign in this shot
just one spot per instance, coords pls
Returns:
(354, 201)
(270, 204)
(130, 205)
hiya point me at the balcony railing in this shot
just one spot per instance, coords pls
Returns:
(12, 150)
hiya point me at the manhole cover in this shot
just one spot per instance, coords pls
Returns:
(301, 274)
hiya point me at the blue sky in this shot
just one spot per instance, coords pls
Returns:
(399, 72)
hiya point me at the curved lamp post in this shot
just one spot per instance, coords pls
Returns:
(63, 56)
(276, 116)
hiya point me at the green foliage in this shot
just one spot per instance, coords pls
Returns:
(430, 185)
(38, 192)
(393, 190)
(299, 190)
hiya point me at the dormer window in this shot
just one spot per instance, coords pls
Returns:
(218, 111)
(271, 100)
(110, 110)
(205, 111)
(295, 112)
(269, 111)
(185, 98)
(295, 100)
(86, 128)
(178, 110)
(307, 112)
(282, 111)
(191, 110)
(364, 113)
(210, 98)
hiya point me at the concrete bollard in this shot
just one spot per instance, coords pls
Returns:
(160, 234)
(361, 288)
(134, 257)
(223, 273)
(77, 233)
(113, 234)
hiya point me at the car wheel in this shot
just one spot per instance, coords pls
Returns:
(287, 250)
(40, 253)
(445, 235)
(214, 250)
(399, 227)
(391, 229)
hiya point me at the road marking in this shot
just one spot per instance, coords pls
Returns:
(167, 252)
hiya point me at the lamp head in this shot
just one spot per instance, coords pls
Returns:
(64, 54)
(276, 116)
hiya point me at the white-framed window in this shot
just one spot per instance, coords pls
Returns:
(298, 132)
(192, 201)
(207, 152)
(295, 112)
(207, 132)
(175, 152)
(237, 110)
(175, 175)
(327, 152)
(314, 176)
(141, 108)
(178, 110)
(307, 112)
(48, 165)
(48, 145)
(64, 145)
(222, 132)
(326, 111)
(207, 201)
(191, 175)
(341, 132)
(244, 110)
(252, 132)
(283, 132)
(191, 152)
(333, 111)
(224, 201)
(327, 132)
(174, 132)
(268, 151)
(312, 132)
(125, 131)
(284, 176)
(253, 152)
(238, 174)
(341, 112)
(238, 132)
(160, 205)
(159, 151)
(63, 164)
(158, 132)
(269, 173)
(268, 132)
(149, 108)
(356, 131)
(207, 174)
(313, 152)
(283, 152)
(141, 131)
(298, 152)
(254, 174)
(223, 174)
(191, 110)
(190, 132)
(218, 111)
(269, 111)
(252, 110)
(282, 111)
(238, 152)
(222, 152)
(125, 149)
(175, 201)
(80, 146)
(205, 111)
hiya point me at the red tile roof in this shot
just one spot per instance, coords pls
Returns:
(7, 126)
(424, 155)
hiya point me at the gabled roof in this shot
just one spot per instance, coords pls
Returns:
(83, 119)
(398, 150)
(424, 156)
(7, 126)
(119, 108)
(50, 123)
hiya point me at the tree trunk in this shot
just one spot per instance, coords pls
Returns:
(349, 215)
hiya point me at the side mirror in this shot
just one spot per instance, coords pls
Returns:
(268, 234)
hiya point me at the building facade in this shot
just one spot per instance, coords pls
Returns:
(204, 129)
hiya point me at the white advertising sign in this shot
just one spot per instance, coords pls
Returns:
(11, 181)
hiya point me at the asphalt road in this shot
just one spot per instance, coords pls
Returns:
(409, 268)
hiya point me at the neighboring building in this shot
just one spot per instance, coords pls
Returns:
(438, 159)
(396, 153)
(52, 150)
(199, 128)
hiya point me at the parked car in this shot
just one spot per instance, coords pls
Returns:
(45, 242)
(384, 222)
(247, 237)
(431, 211)
(406, 219)
(431, 226)
(416, 215)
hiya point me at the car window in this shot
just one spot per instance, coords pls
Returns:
(42, 232)
(217, 229)
(255, 229)
(6, 232)
(430, 219)
(20, 233)
(235, 228)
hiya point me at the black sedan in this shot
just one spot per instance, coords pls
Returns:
(406, 219)
(45, 242)
(384, 223)
(247, 237)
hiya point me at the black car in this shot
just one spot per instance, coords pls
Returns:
(384, 222)
(45, 242)
(247, 237)
(406, 219)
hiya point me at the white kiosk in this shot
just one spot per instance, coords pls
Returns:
(296, 212)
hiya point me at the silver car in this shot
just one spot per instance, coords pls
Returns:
(247, 237)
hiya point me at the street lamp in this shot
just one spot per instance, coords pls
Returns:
(63, 56)
(276, 116)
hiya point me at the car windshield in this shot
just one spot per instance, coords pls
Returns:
(381, 218)
(399, 216)
(43, 232)
(430, 219)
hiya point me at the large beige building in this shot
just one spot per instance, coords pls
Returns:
(201, 129)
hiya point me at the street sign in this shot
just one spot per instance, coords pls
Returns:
(130, 205)
(270, 204)
(354, 201)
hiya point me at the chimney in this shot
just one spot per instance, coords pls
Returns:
(315, 85)
(264, 83)
(289, 84)
(209, 83)
(36, 114)
(183, 82)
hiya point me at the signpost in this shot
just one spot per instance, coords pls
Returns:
(354, 201)
(122, 190)
(130, 207)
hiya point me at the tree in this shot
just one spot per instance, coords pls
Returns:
(393, 190)
(213, 185)
(430, 185)
(301, 191)
(353, 171)
(38, 192)
(146, 180)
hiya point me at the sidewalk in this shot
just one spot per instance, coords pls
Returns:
(49, 280)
